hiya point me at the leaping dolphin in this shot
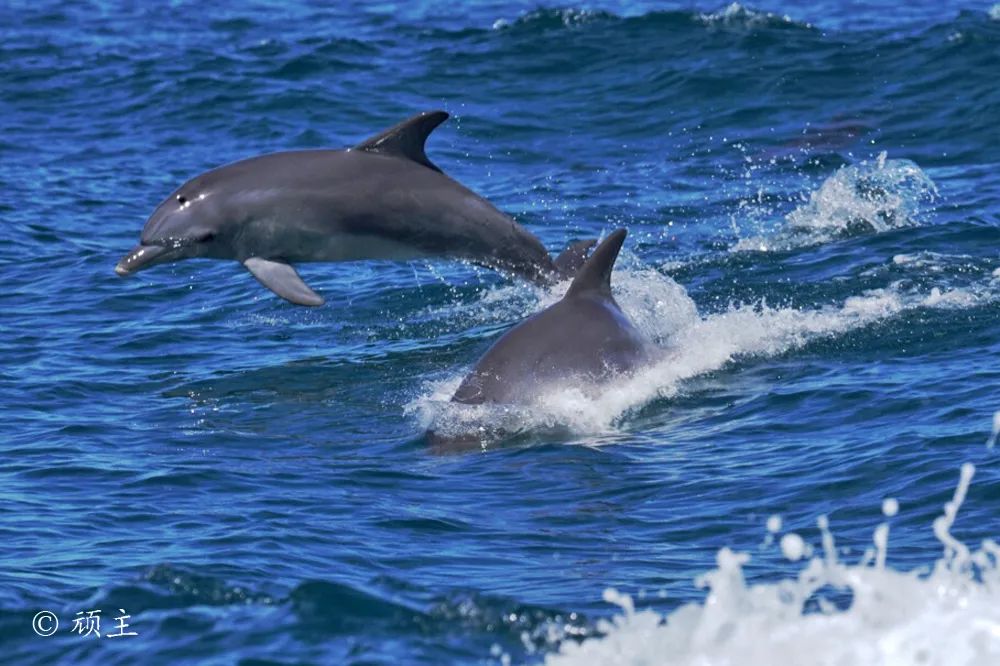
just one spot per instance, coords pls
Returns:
(585, 337)
(382, 199)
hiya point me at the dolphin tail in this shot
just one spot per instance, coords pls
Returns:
(573, 257)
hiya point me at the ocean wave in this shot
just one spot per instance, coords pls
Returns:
(169, 586)
(733, 17)
(331, 608)
(948, 617)
(544, 19)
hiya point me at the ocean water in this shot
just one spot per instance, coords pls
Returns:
(813, 202)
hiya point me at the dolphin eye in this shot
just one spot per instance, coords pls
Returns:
(207, 238)
(182, 200)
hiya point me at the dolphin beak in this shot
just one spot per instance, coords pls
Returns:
(141, 256)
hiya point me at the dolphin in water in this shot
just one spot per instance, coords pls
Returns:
(584, 338)
(381, 199)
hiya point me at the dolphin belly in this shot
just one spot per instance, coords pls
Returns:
(356, 247)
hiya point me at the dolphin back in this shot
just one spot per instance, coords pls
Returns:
(536, 353)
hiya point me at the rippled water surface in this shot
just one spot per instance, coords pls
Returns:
(814, 214)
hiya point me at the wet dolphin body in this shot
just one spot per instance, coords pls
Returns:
(382, 199)
(585, 337)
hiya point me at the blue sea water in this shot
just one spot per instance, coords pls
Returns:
(813, 201)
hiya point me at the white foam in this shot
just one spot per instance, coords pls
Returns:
(949, 617)
(736, 15)
(931, 261)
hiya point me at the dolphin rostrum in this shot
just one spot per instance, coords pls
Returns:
(382, 199)
(585, 337)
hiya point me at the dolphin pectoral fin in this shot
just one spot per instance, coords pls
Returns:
(282, 279)
(407, 138)
(573, 257)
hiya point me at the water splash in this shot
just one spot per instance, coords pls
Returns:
(948, 617)
(868, 197)
(996, 431)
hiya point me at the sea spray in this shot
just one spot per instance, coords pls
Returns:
(949, 617)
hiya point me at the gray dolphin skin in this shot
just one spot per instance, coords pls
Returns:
(382, 199)
(584, 337)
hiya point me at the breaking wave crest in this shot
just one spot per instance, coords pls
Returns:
(736, 15)
(732, 17)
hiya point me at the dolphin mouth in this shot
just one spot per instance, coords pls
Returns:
(140, 257)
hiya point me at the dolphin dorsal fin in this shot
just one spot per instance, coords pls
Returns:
(595, 275)
(407, 138)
